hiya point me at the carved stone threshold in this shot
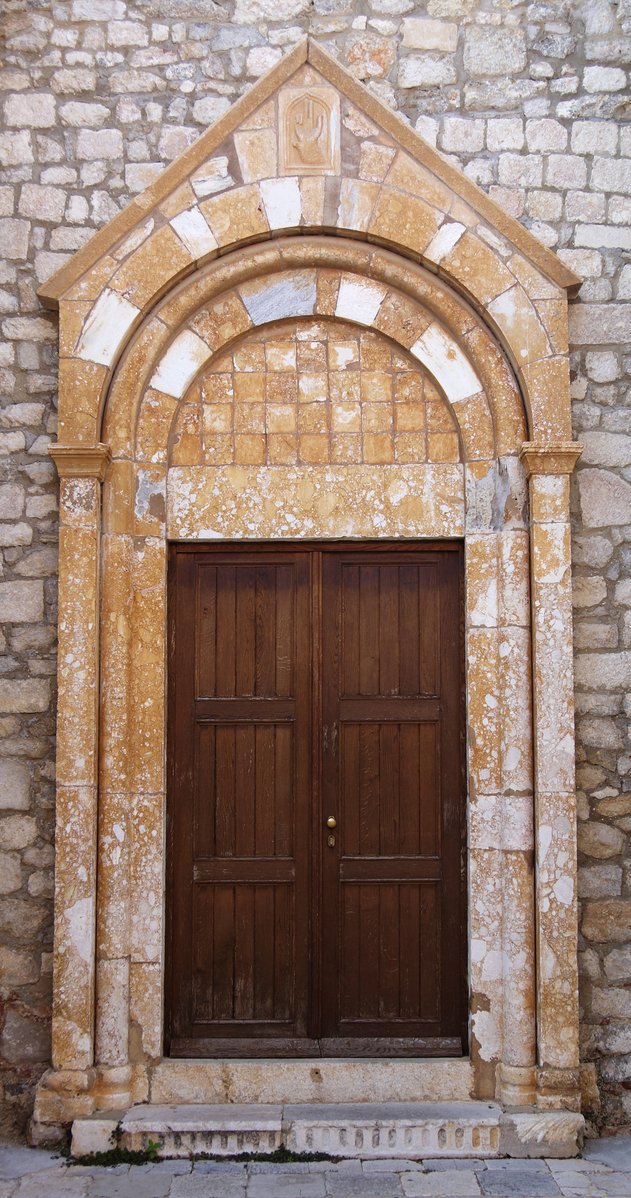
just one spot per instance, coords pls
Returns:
(370, 1131)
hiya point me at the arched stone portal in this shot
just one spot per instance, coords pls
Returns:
(446, 415)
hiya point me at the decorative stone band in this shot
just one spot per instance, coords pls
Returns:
(81, 461)
(558, 458)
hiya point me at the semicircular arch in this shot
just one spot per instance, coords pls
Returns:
(314, 278)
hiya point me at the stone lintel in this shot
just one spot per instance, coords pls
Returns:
(81, 461)
(558, 458)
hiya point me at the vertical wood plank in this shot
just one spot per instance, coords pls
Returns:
(226, 638)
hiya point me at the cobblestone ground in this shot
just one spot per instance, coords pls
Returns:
(603, 1170)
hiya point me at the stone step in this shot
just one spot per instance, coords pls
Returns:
(321, 1079)
(367, 1130)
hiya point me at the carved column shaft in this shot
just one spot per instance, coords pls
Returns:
(81, 472)
(548, 469)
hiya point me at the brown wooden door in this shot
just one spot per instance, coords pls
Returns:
(307, 684)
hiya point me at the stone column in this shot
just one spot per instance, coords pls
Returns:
(500, 826)
(548, 468)
(66, 1090)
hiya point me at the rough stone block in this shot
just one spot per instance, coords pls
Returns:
(421, 33)
(460, 133)
(18, 968)
(16, 148)
(607, 919)
(521, 170)
(14, 237)
(106, 143)
(96, 1133)
(594, 137)
(505, 133)
(79, 114)
(209, 109)
(612, 174)
(566, 170)
(14, 785)
(21, 602)
(599, 881)
(24, 695)
(10, 873)
(605, 499)
(426, 71)
(603, 79)
(34, 110)
(17, 831)
(42, 203)
(600, 324)
(546, 135)
(490, 50)
(24, 1038)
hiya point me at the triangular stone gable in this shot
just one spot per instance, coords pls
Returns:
(307, 119)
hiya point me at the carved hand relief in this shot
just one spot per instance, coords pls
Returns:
(309, 122)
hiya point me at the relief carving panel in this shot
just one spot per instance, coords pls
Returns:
(309, 123)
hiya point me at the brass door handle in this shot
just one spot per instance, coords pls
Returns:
(331, 822)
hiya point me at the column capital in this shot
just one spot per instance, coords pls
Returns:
(559, 457)
(81, 461)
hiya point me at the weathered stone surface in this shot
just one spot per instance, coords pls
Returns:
(605, 498)
(600, 840)
(25, 1039)
(618, 963)
(18, 968)
(600, 324)
(588, 591)
(426, 71)
(10, 873)
(425, 34)
(607, 920)
(21, 602)
(14, 785)
(599, 881)
(16, 831)
(28, 695)
(606, 449)
(609, 671)
(492, 51)
(33, 110)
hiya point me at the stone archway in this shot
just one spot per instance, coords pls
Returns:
(139, 328)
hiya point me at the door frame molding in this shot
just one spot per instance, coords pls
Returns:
(107, 1021)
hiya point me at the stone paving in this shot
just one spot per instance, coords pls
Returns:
(604, 1171)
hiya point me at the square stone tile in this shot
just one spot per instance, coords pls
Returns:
(16, 1161)
(209, 1185)
(450, 1183)
(527, 1182)
(379, 1185)
(289, 1185)
(614, 1151)
(594, 1185)
(132, 1185)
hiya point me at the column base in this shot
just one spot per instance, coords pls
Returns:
(113, 1087)
(517, 1085)
(558, 1089)
(61, 1096)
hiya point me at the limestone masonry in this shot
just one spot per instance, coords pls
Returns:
(531, 101)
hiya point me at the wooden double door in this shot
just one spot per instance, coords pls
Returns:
(315, 810)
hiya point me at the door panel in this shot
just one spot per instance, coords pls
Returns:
(240, 798)
(391, 778)
(308, 683)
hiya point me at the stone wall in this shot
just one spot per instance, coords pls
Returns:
(530, 99)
